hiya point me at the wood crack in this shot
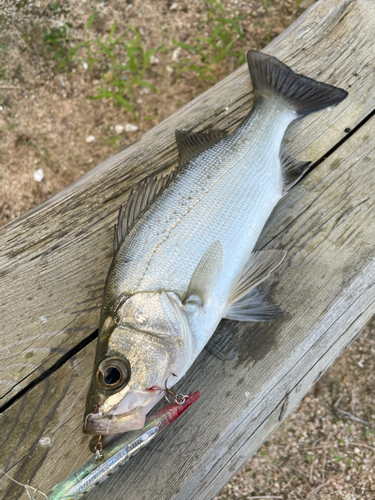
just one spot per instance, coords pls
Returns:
(66, 357)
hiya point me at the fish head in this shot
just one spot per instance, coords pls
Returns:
(138, 348)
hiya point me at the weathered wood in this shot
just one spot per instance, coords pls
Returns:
(54, 259)
(326, 287)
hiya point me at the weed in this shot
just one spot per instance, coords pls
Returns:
(126, 65)
(112, 141)
(265, 5)
(207, 53)
(58, 43)
(65, 49)
(123, 63)
(296, 4)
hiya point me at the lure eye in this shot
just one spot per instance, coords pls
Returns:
(113, 373)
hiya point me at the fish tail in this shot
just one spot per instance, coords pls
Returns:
(304, 95)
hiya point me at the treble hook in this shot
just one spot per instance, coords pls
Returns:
(178, 398)
(98, 450)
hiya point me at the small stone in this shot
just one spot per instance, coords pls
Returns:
(85, 65)
(153, 59)
(169, 69)
(174, 6)
(357, 451)
(45, 441)
(176, 55)
(119, 129)
(248, 395)
(129, 127)
(90, 139)
(43, 319)
(1, 108)
(38, 175)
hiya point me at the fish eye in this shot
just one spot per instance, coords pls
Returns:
(113, 373)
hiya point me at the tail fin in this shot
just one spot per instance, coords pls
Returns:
(302, 94)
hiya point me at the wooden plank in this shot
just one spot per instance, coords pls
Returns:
(326, 288)
(54, 259)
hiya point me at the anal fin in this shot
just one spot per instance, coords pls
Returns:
(257, 268)
(292, 170)
(254, 306)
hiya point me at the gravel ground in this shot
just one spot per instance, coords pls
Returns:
(51, 133)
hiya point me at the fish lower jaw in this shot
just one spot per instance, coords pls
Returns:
(115, 424)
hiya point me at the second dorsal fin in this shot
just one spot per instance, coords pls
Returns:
(191, 144)
(138, 202)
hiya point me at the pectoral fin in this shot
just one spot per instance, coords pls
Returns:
(257, 268)
(206, 273)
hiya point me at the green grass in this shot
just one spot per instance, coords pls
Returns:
(126, 63)
(207, 53)
(121, 60)
(59, 44)
(296, 4)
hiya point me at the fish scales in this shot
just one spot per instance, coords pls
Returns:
(187, 261)
(217, 195)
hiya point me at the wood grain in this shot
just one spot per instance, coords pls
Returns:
(325, 286)
(54, 259)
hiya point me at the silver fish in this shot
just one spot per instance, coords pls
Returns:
(183, 249)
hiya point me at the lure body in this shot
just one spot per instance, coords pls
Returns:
(94, 472)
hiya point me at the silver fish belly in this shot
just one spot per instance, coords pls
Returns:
(184, 258)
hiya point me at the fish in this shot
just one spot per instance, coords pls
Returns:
(183, 249)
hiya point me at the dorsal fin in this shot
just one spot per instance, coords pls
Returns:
(191, 144)
(292, 170)
(138, 202)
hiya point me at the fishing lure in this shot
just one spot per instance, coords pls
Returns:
(116, 454)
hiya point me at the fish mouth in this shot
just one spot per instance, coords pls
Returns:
(98, 424)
